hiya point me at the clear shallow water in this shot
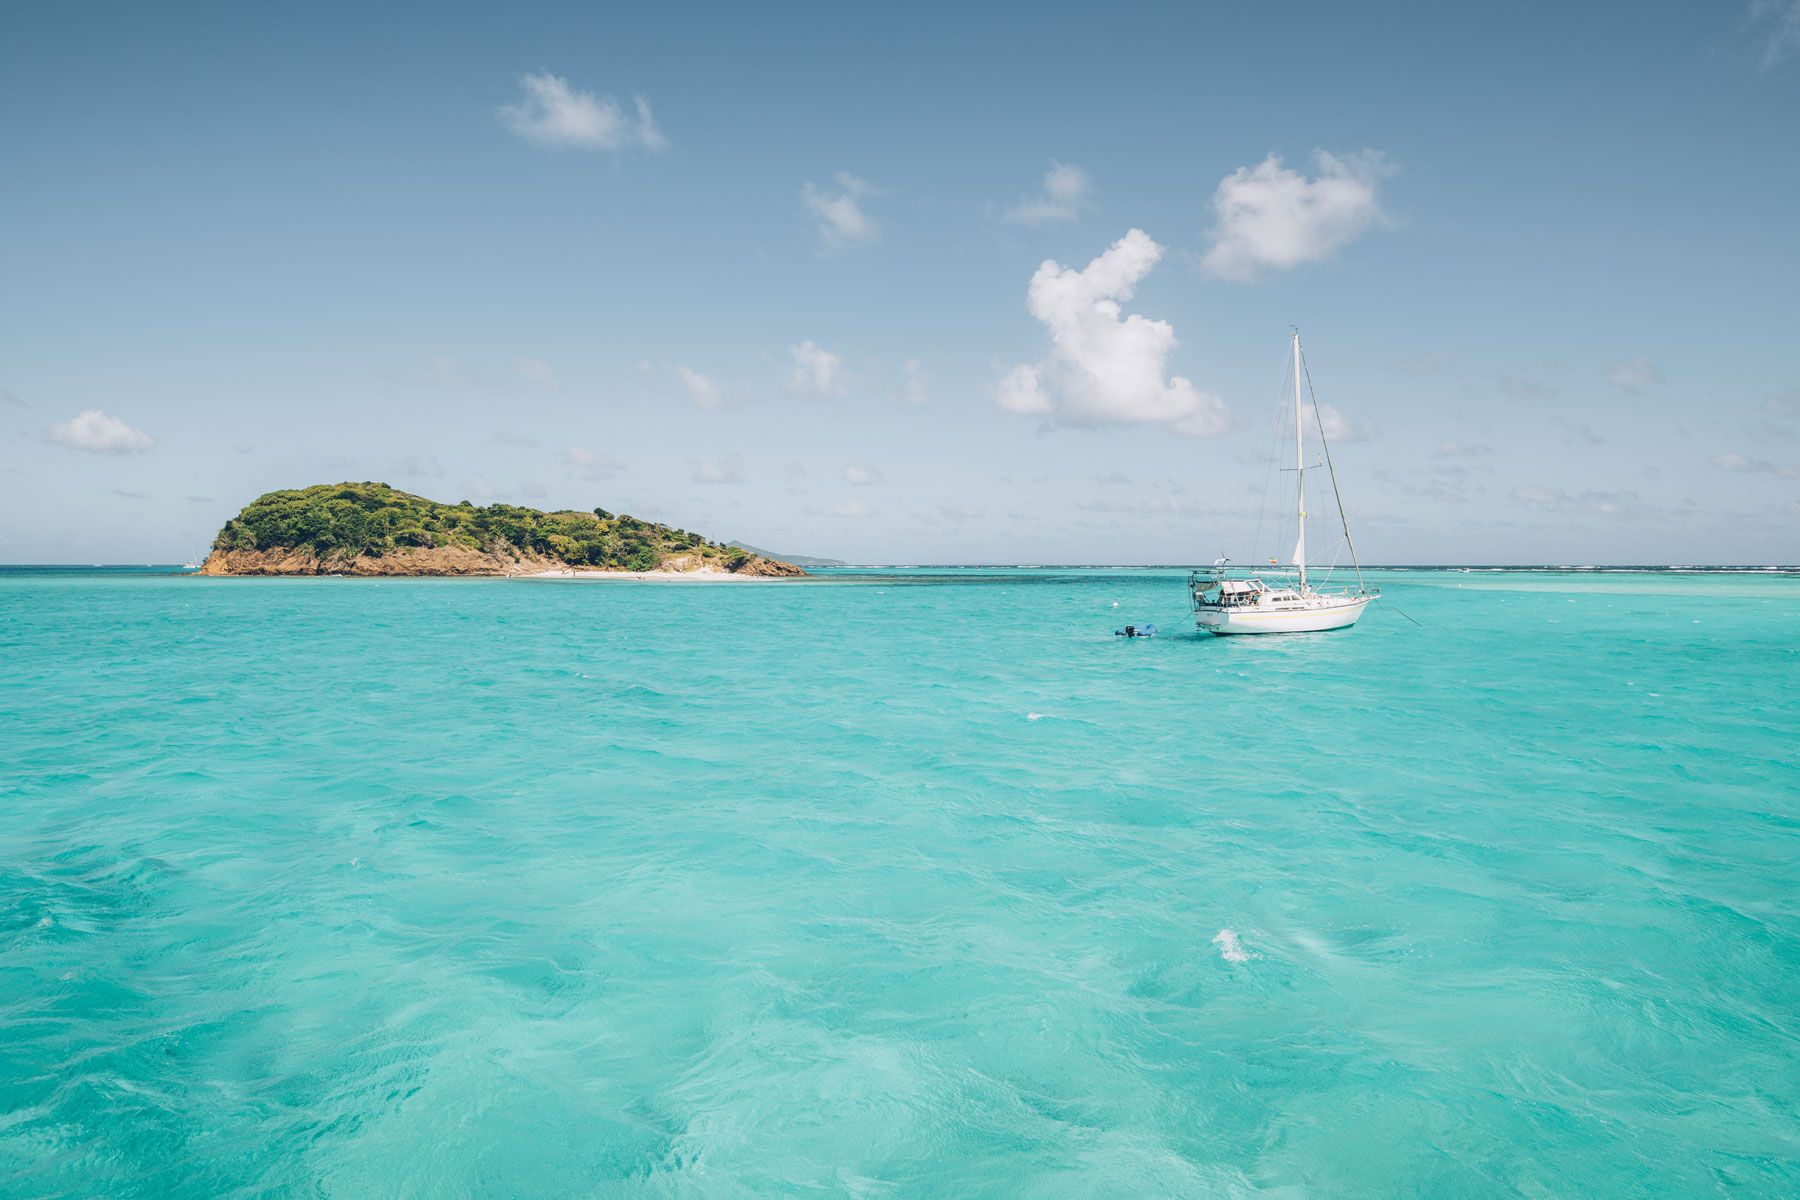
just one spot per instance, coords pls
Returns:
(898, 888)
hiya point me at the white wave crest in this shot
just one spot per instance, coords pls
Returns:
(1230, 949)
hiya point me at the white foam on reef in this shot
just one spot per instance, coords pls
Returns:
(1034, 716)
(1230, 949)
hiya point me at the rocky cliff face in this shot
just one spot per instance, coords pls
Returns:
(447, 560)
(771, 567)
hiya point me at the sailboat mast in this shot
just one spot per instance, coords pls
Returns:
(1299, 471)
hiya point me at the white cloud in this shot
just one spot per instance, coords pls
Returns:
(14, 401)
(445, 370)
(514, 439)
(1782, 18)
(863, 474)
(1460, 450)
(1430, 362)
(854, 510)
(917, 386)
(1606, 504)
(554, 114)
(961, 513)
(422, 467)
(1020, 391)
(700, 389)
(1790, 399)
(97, 433)
(1611, 504)
(729, 469)
(1105, 367)
(842, 221)
(1164, 502)
(591, 465)
(536, 372)
(816, 371)
(1270, 216)
(1634, 374)
(1066, 193)
(1733, 461)
(1339, 428)
(1519, 388)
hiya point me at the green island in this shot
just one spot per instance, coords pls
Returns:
(375, 529)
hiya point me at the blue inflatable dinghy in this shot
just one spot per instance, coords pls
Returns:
(1136, 631)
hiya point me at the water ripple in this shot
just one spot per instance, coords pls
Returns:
(925, 888)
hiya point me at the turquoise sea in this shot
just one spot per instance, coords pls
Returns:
(914, 884)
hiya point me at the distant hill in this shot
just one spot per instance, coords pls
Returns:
(799, 560)
(374, 529)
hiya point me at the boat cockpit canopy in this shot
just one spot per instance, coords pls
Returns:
(1232, 593)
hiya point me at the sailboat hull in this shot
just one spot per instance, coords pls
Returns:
(1281, 618)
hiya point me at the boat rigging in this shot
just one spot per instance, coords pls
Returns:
(1224, 605)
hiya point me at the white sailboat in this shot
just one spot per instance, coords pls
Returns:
(1225, 605)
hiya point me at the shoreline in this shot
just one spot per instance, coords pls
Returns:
(703, 575)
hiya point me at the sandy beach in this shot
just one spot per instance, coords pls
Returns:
(702, 575)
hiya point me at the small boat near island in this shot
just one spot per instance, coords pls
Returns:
(1224, 605)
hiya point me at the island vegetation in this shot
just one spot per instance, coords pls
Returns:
(371, 528)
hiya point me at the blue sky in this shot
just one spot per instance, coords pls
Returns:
(1543, 257)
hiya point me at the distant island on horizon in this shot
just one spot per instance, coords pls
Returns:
(375, 529)
(799, 560)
